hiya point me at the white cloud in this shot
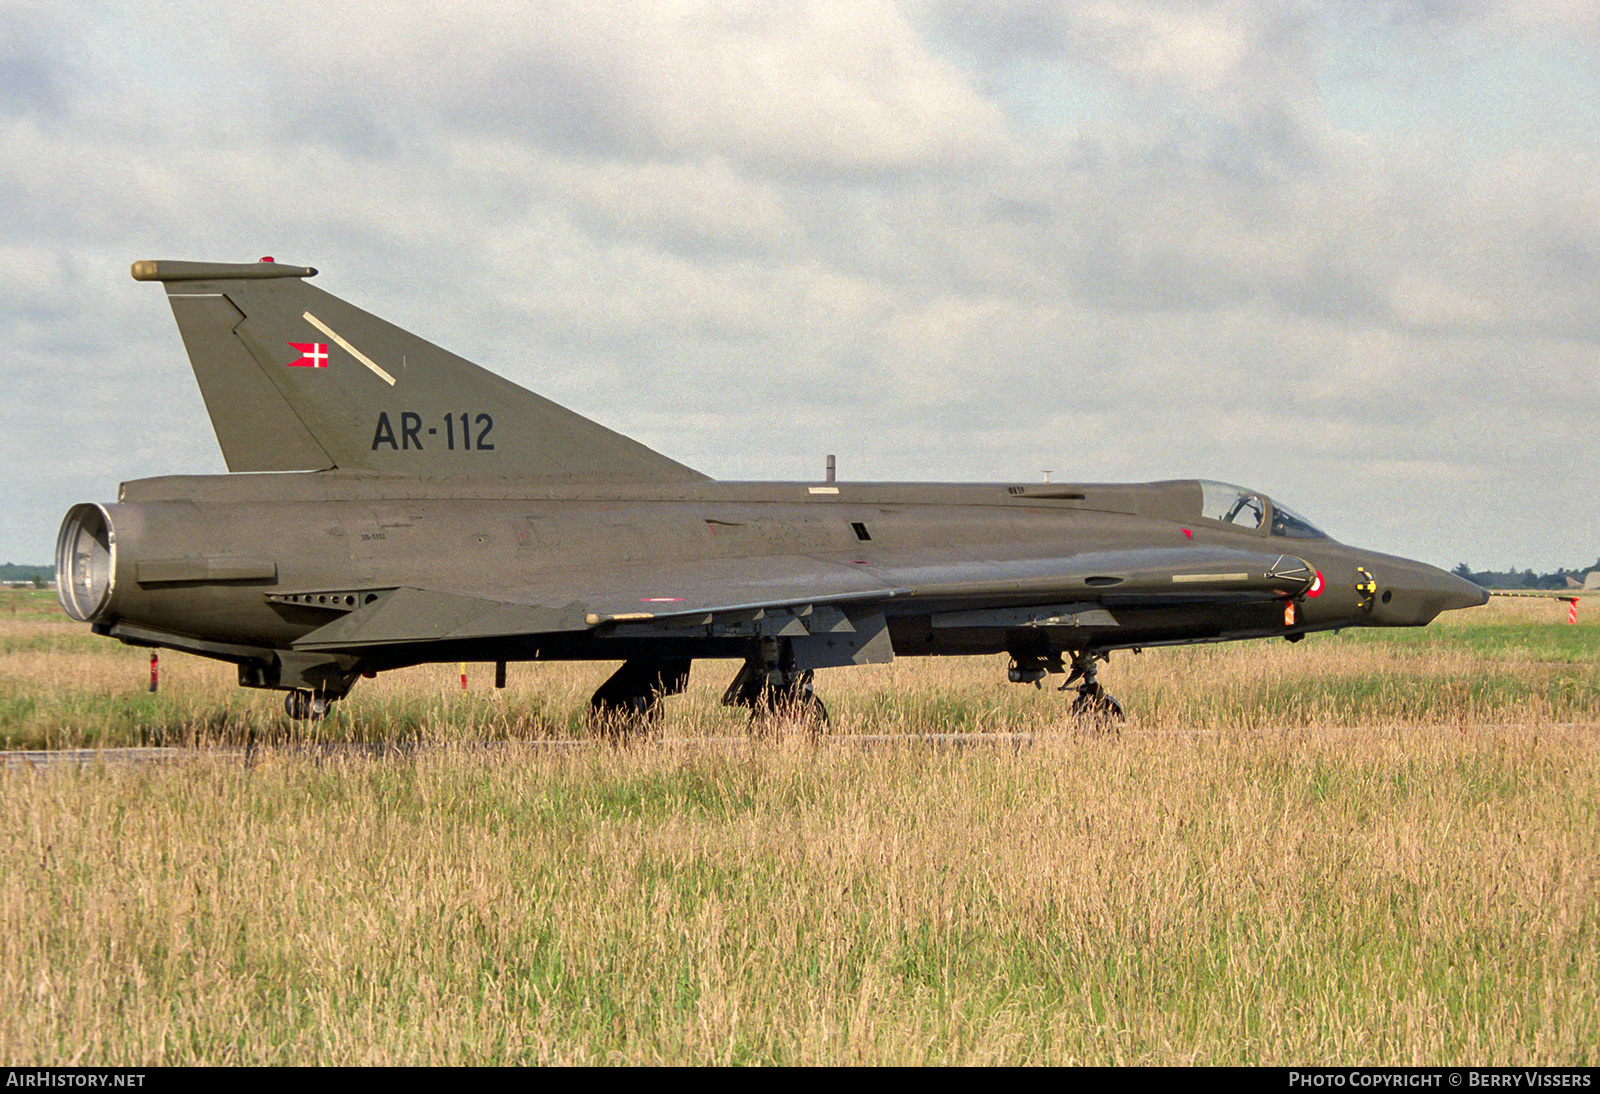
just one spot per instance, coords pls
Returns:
(754, 234)
(821, 86)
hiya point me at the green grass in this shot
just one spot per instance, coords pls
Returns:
(29, 604)
(1341, 897)
(1370, 848)
(1550, 641)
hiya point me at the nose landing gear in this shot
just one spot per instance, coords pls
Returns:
(1093, 701)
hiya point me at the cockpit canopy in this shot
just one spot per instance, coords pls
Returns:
(1249, 510)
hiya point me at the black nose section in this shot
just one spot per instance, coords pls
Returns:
(1411, 594)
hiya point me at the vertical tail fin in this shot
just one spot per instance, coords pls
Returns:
(296, 379)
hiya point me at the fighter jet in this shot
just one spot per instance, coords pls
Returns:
(391, 504)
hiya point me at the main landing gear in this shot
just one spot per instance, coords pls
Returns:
(778, 698)
(1092, 703)
(629, 702)
(775, 691)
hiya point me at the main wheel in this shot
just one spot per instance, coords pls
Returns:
(804, 710)
(635, 716)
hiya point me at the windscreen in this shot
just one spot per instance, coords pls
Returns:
(1286, 522)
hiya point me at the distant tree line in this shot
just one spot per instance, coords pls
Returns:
(1523, 579)
(39, 576)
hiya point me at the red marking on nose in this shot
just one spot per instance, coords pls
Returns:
(1188, 533)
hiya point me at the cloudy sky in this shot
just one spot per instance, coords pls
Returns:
(1347, 253)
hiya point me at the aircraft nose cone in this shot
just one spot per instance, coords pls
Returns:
(1414, 593)
(1464, 594)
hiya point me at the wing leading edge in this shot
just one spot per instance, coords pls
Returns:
(811, 598)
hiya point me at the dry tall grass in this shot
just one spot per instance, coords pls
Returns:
(1243, 876)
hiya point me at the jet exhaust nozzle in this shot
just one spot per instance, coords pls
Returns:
(86, 561)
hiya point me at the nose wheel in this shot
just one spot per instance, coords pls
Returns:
(1093, 702)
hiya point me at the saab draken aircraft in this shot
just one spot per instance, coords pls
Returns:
(390, 504)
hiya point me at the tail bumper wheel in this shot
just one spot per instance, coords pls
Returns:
(306, 706)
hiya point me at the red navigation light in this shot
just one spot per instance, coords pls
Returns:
(268, 258)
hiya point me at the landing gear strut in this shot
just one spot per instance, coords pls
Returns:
(629, 702)
(1093, 701)
(774, 690)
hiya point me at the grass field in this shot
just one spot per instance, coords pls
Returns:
(1378, 847)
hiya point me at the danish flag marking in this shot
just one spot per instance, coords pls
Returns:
(313, 355)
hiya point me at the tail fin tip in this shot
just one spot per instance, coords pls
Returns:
(167, 269)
